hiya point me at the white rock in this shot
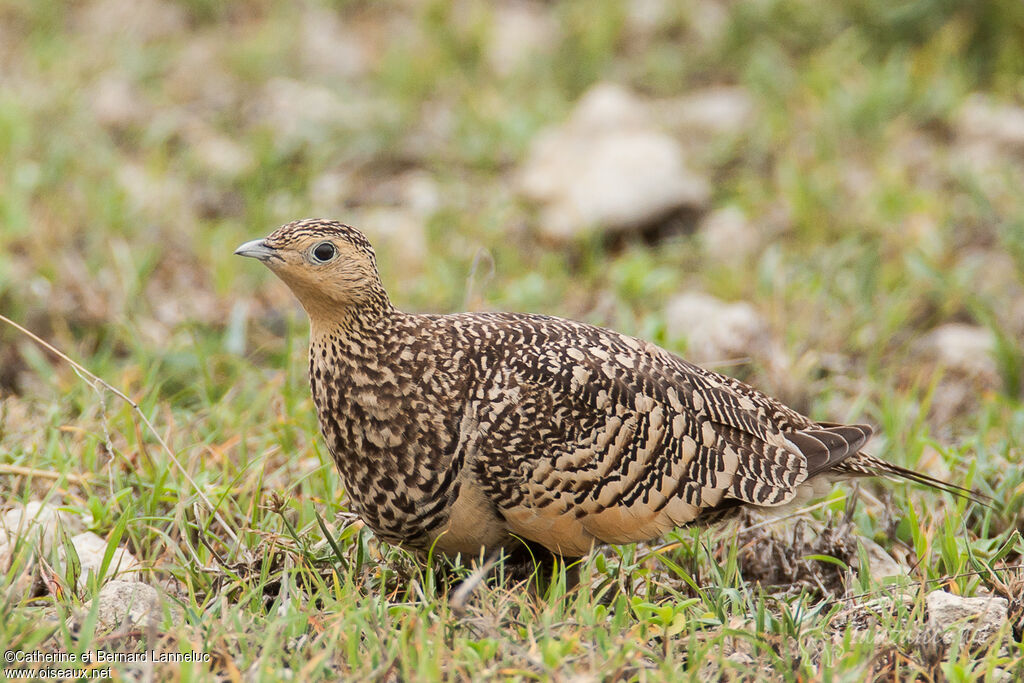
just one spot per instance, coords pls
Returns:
(880, 563)
(739, 657)
(90, 549)
(127, 605)
(963, 349)
(219, 155)
(964, 355)
(36, 524)
(298, 111)
(329, 191)
(716, 330)
(714, 111)
(647, 16)
(415, 191)
(24, 533)
(153, 193)
(709, 20)
(420, 193)
(705, 20)
(608, 107)
(608, 168)
(329, 47)
(434, 130)
(982, 119)
(116, 103)
(995, 273)
(981, 617)
(398, 231)
(728, 235)
(131, 21)
(519, 31)
(990, 141)
(219, 91)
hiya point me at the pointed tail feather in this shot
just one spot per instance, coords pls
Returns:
(869, 466)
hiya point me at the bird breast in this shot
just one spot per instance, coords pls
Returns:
(388, 437)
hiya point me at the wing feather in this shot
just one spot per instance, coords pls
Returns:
(632, 440)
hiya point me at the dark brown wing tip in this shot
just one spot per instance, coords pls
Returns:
(826, 445)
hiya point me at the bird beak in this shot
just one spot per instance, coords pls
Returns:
(256, 249)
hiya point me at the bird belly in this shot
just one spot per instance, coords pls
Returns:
(473, 524)
(558, 531)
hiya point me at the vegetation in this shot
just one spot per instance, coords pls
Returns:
(140, 142)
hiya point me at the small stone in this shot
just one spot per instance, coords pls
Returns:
(90, 549)
(607, 107)
(716, 330)
(420, 193)
(24, 533)
(741, 658)
(36, 524)
(709, 21)
(153, 193)
(728, 235)
(329, 47)
(962, 349)
(989, 142)
(130, 21)
(608, 169)
(880, 563)
(647, 16)
(704, 21)
(415, 191)
(982, 119)
(115, 103)
(981, 618)
(520, 31)
(329, 191)
(714, 111)
(964, 355)
(125, 605)
(219, 155)
(217, 94)
(995, 273)
(398, 231)
(302, 112)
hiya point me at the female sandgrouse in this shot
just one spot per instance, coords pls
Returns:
(475, 430)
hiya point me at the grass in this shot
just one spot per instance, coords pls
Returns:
(118, 216)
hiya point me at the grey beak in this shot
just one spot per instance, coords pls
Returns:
(256, 249)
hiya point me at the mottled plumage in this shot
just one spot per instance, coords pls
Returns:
(460, 431)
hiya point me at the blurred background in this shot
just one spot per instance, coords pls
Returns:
(823, 198)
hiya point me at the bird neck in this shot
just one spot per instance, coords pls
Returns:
(369, 316)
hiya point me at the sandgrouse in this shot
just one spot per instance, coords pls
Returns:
(481, 430)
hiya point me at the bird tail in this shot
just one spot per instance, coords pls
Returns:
(864, 465)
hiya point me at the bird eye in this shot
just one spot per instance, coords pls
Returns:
(324, 252)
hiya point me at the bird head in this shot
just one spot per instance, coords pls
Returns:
(329, 266)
